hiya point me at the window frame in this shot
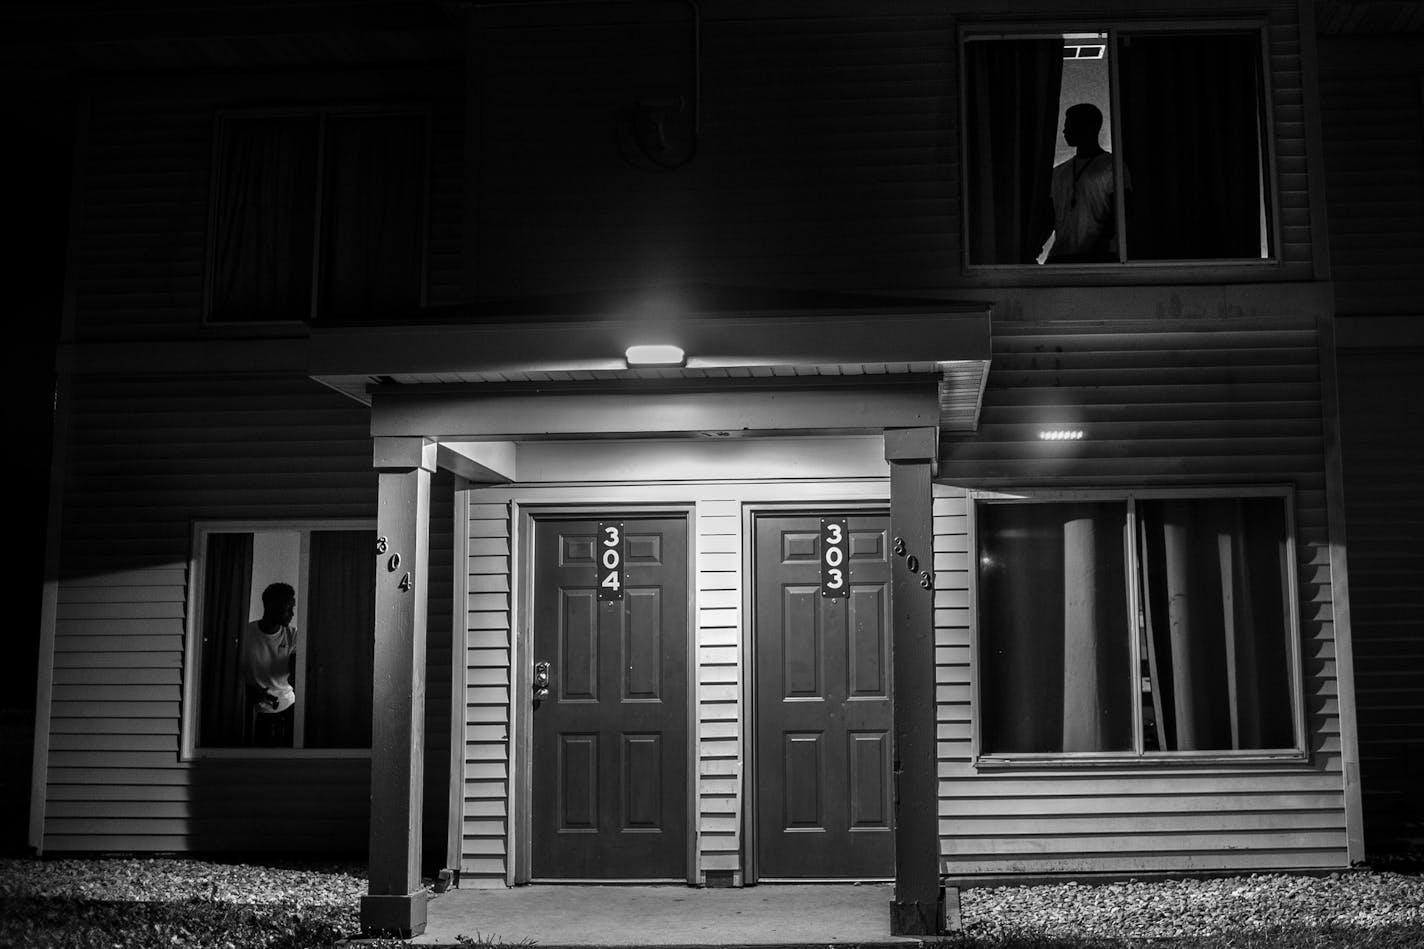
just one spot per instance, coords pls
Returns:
(193, 625)
(989, 30)
(321, 113)
(1138, 756)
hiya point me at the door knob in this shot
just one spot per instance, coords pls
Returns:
(541, 681)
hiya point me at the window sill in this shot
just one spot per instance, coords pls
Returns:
(297, 754)
(1182, 759)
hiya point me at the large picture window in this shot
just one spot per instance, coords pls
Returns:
(1119, 145)
(317, 216)
(1140, 625)
(282, 636)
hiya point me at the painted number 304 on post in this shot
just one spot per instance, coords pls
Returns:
(608, 554)
(835, 557)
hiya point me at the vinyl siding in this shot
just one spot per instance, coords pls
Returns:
(147, 459)
(828, 157)
(1166, 404)
(1373, 133)
(1385, 511)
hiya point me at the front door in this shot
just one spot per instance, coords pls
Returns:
(609, 781)
(823, 710)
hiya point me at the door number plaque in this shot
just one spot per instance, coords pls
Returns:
(608, 553)
(835, 557)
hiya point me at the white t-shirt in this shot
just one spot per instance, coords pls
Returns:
(266, 663)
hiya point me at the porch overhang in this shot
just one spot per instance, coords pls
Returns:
(850, 369)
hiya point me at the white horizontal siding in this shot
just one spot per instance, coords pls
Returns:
(1165, 404)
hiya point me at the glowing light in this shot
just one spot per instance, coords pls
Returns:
(654, 355)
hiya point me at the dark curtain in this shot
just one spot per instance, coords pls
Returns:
(264, 219)
(1192, 126)
(1216, 600)
(1053, 633)
(227, 591)
(1012, 132)
(339, 640)
(371, 232)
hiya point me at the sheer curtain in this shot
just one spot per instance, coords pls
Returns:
(264, 219)
(1053, 635)
(227, 590)
(1215, 595)
(1012, 132)
(339, 640)
(1192, 129)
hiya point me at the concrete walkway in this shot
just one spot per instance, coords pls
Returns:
(769, 915)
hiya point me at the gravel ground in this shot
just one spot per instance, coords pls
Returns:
(311, 901)
(1232, 906)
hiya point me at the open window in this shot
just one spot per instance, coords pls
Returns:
(317, 215)
(1137, 626)
(1115, 146)
(325, 652)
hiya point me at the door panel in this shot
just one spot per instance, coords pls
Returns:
(823, 709)
(609, 783)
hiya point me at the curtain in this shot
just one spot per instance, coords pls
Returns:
(227, 590)
(339, 640)
(1192, 128)
(1014, 88)
(371, 233)
(1053, 628)
(1216, 598)
(264, 211)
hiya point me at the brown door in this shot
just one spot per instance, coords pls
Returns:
(609, 782)
(823, 713)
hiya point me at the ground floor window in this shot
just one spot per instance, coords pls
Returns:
(282, 636)
(1136, 625)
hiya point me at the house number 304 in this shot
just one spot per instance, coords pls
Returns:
(913, 564)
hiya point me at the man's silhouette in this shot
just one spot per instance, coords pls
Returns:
(1084, 222)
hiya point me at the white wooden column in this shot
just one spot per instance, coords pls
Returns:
(395, 904)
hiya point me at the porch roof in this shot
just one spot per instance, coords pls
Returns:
(839, 341)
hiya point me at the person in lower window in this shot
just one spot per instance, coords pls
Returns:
(269, 654)
(1084, 214)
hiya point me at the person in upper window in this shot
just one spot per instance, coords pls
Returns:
(1084, 215)
(269, 652)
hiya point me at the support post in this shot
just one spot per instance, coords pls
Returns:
(918, 908)
(395, 903)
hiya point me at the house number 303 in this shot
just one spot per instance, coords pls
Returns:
(912, 563)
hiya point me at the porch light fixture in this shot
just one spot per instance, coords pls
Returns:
(654, 355)
(1061, 435)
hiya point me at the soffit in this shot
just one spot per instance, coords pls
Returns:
(855, 343)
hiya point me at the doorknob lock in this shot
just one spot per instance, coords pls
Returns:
(541, 681)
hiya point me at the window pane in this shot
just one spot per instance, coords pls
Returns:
(340, 639)
(1053, 633)
(1215, 592)
(1011, 127)
(1193, 133)
(227, 588)
(371, 232)
(263, 208)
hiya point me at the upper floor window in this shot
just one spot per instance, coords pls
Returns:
(1151, 625)
(1118, 146)
(317, 216)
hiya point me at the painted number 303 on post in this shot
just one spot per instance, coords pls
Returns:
(608, 553)
(835, 557)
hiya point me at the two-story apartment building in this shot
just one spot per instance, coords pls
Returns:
(720, 443)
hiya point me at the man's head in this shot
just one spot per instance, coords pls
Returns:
(1081, 124)
(279, 603)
